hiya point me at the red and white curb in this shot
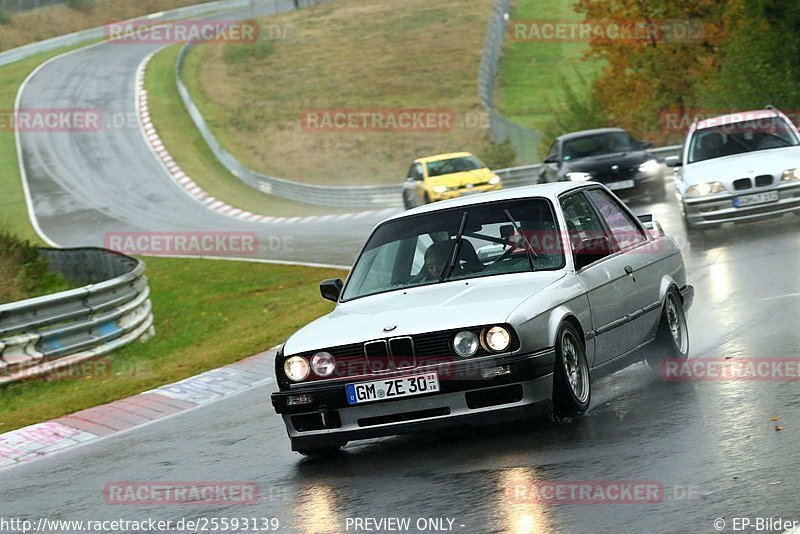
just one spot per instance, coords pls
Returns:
(44, 439)
(195, 191)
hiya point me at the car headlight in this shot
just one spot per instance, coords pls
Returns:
(791, 174)
(706, 188)
(296, 368)
(650, 166)
(579, 176)
(323, 364)
(498, 338)
(466, 343)
(494, 180)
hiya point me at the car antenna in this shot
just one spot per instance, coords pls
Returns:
(456, 249)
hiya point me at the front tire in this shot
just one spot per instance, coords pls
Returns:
(572, 387)
(672, 338)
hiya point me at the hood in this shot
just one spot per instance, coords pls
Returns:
(749, 164)
(602, 165)
(460, 179)
(422, 309)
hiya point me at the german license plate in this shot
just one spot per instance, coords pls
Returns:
(624, 184)
(392, 388)
(757, 198)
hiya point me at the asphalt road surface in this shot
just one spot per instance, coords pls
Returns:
(711, 444)
(86, 185)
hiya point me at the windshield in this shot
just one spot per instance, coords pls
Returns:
(740, 137)
(598, 145)
(418, 250)
(449, 166)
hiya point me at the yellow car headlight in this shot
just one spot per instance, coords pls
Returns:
(439, 188)
(494, 180)
(706, 188)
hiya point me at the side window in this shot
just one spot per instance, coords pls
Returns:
(552, 154)
(415, 172)
(624, 229)
(582, 222)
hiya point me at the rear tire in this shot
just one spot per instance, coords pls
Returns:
(572, 385)
(427, 199)
(672, 338)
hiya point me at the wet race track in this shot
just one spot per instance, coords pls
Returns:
(710, 448)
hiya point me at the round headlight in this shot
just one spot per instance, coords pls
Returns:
(296, 368)
(465, 343)
(498, 339)
(323, 364)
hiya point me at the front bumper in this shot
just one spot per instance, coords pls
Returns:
(644, 186)
(465, 398)
(458, 193)
(719, 208)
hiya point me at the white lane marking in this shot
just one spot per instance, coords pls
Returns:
(208, 386)
(39, 439)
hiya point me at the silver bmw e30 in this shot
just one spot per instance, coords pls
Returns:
(483, 309)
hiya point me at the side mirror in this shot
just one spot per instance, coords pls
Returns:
(551, 159)
(591, 250)
(673, 161)
(646, 144)
(331, 289)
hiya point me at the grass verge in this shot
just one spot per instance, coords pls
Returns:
(533, 73)
(23, 273)
(208, 314)
(188, 148)
(351, 55)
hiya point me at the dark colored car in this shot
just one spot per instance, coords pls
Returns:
(609, 156)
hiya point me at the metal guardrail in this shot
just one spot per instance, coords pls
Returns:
(93, 34)
(47, 333)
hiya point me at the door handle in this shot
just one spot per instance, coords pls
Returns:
(629, 272)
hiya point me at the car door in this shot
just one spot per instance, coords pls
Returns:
(607, 284)
(640, 258)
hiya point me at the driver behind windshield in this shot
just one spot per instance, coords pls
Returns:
(436, 257)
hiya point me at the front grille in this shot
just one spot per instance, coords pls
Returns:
(402, 349)
(399, 353)
(742, 183)
(377, 353)
(763, 180)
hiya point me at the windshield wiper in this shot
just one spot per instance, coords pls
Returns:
(456, 249)
(528, 248)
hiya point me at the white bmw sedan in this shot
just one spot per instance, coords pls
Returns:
(482, 309)
(738, 167)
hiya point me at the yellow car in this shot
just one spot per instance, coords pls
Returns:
(447, 176)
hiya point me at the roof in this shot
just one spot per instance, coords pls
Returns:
(439, 157)
(550, 191)
(733, 118)
(585, 133)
